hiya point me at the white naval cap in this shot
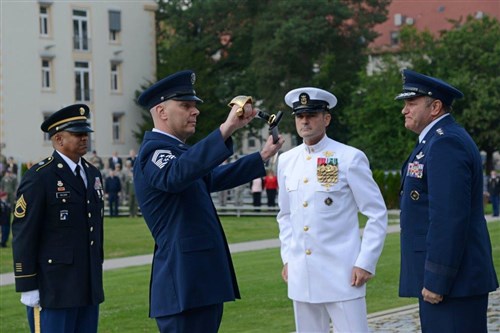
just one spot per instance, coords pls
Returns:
(310, 99)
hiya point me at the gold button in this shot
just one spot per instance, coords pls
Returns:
(305, 204)
(50, 261)
(306, 180)
(91, 243)
(308, 157)
(306, 228)
(308, 252)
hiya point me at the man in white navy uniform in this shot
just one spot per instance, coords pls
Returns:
(323, 184)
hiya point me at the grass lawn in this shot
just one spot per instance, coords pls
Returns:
(264, 305)
(124, 236)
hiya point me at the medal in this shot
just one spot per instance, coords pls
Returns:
(327, 170)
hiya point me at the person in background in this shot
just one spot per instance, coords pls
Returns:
(96, 160)
(132, 156)
(112, 188)
(256, 187)
(5, 215)
(494, 191)
(446, 258)
(57, 231)
(271, 186)
(130, 190)
(114, 160)
(323, 186)
(12, 165)
(192, 273)
(9, 184)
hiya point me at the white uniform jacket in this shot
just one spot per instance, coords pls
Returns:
(318, 222)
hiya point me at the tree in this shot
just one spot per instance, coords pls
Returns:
(467, 57)
(375, 119)
(265, 48)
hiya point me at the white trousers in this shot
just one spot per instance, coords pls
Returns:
(348, 316)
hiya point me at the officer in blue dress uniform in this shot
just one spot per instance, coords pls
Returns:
(446, 258)
(58, 231)
(192, 273)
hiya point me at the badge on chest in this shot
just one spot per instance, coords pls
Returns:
(327, 170)
(415, 170)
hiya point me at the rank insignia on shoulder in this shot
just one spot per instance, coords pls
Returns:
(21, 206)
(162, 157)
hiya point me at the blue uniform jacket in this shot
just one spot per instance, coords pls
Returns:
(192, 266)
(58, 235)
(445, 244)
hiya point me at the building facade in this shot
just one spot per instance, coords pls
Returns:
(57, 53)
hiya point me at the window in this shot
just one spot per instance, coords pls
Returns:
(114, 25)
(251, 143)
(46, 74)
(80, 30)
(117, 126)
(115, 77)
(82, 81)
(44, 21)
(394, 38)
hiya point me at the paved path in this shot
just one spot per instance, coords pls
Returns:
(399, 320)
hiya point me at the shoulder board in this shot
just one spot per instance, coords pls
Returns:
(44, 163)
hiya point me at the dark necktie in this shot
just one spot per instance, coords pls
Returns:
(79, 177)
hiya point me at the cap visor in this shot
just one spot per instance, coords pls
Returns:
(188, 98)
(80, 129)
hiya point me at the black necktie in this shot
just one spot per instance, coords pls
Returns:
(79, 177)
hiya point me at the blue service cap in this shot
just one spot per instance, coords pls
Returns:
(416, 84)
(309, 99)
(73, 118)
(178, 86)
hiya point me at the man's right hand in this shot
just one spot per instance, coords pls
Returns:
(235, 122)
(284, 273)
(31, 298)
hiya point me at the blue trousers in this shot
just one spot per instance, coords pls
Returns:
(206, 319)
(69, 320)
(455, 315)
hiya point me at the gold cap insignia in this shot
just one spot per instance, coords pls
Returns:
(82, 111)
(304, 98)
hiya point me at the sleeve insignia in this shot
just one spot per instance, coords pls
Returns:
(162, 157)
(20, 210)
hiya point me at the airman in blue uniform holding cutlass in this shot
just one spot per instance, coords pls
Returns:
(446, 258)
(192, 273)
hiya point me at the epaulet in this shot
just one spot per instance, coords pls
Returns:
(44, 163)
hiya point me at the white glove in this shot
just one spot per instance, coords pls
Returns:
(31, 298)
